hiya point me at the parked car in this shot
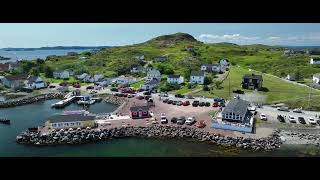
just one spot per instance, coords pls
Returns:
(163, 118)
(52, 86)
(125, 95)
(165, 100)
(283, 109)
(221, 104)
(130, 95)
(195, 103)
(186, 103)
(263, 117)
(189, 97)
(147, 97)
(201, 104)
(201, 124)
(90, 87)
(292, 119)
(301, 120)
(281, 118)
(120, 95)
(179, 103)
(174, 102)
(298, 110)
(207, 104)
(215, 104)
(181, 120)
(190, 120)
(63, 84)
(318, 121)
(174, 120)
(179, 96)
(312, 121)
(170, 102)
(147, 93)
(140, 97)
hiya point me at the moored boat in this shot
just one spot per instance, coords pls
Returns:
(4, 121)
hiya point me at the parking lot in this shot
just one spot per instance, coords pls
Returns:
(272, 113)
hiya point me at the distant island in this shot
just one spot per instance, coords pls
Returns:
(4, 58)
(57, 48)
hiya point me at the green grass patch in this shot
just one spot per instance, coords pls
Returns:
(137, 84)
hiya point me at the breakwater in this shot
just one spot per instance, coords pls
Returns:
(30, 100)
(81, 136)
(114, 99)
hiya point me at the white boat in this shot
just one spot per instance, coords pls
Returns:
(86, 100)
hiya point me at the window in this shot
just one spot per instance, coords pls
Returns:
(238, 117)
(60, 124)
(54, 125)
(71, 124)
(66, 124)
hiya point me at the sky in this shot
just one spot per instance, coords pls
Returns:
(32, 35)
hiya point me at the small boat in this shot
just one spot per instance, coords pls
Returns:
(89, 102)
(4, 121)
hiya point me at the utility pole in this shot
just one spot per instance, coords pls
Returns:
(309, 97)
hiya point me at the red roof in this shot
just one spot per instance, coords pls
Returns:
(4, 67)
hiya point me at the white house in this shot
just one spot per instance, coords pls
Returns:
(291, 77)
(175, 79)
(224, 62)
(197, 77)
(137, 69)
(316, 78)
(314, 61)
(61, 74)
(36, 82)
(82, 76)
(153, 74)
(211, 68)
(125, 80)
(149, 85)
(140, 57)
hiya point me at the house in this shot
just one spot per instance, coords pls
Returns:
(137, 69)
(150, 85)
(14, 81)
(36, 82)
(140, 57)
(97, 77)
(197, 77)
(81, 76)
(126, 80)
(70, 121)
(291, 77)
(4, 67)
(235, 116)
(103, 82)
(189, 48)
(161, 58)
(175, 79)
(61, 74)
(224, 62)
(153, 74)
(252, 81)
(211, 68)
(316, 78)
(315, 61)
(87, 78)
(13, 66)
(139, 112)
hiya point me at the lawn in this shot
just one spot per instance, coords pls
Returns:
(70, 80)
(137, 84)
(185, 90)
(277, 90)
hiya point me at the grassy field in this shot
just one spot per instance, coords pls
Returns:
(186, 90)
(277, 90)
(137, 84)
(71, 80)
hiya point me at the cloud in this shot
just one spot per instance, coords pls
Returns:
(273, 38)
(235, 38)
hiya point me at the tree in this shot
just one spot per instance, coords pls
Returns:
(48, 72)
(87, 53)
(298, 75)
(218, 84)
(35, 71)
(205, 88)
(207, 80)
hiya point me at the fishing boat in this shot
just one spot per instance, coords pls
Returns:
(4, 121)
(86, 100)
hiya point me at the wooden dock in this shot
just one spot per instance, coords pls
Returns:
(64, 102)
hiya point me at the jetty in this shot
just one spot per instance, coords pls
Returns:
(64, 102)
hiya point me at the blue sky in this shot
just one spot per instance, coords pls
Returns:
(117, 34)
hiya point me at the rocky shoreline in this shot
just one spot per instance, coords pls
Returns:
(31, 100)
(81, 136)
(300, 137)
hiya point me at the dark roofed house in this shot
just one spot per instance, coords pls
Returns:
(70, 121)
(197, 77)
(139, 112)
(36, 82)
(150, 84)
(175, 79)
(14, 81)
(235, 116)
(252, 81)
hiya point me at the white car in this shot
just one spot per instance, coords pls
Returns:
(163, 118)
(190, 120)
(312, 121)
(263, 117)
(292, 119)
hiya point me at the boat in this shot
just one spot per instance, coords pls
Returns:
(4, 121)
(76, 112)
(86, 100)
(98, 99)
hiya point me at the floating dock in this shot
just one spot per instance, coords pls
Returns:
(64, 102)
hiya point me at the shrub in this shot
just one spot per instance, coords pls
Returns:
(205, 88)
(114, 89)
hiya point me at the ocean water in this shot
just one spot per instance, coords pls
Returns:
(30, 55)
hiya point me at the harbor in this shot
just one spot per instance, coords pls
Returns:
(81, 100)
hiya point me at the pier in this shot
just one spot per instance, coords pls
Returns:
(64, 102)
